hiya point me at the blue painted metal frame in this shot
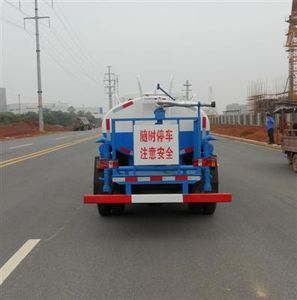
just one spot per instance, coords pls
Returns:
(124, 171)
(184, 183)
(179, 168)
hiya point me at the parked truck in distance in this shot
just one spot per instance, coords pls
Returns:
(289, 146)
(82, 123)
(155, 149)
(289, 133)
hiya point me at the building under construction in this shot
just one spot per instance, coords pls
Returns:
(258, 98)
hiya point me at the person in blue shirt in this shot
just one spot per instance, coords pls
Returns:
(270, 128)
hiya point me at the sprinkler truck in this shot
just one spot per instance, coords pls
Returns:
(156, 149)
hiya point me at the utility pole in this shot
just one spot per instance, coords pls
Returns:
(109, 83)
(39, 88)
(19, 101)
(187, 85)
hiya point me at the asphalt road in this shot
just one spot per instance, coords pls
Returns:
(247, 250)
(17, 147)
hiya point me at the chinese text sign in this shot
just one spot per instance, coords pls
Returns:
(156, 145)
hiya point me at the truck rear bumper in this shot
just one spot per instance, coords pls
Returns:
(157, 198)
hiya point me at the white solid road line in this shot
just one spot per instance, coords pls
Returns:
(20, 146)
(16, 259)
(60, 138)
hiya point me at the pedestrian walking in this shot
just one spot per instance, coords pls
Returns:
(270, 128)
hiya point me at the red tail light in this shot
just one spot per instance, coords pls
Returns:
(205, 162)
(106, 164)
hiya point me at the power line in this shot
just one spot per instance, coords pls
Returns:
(17, 8)
(73, 48)
(54, 53)
(11, 23)
(62, 66)
(47, 50)
(73, 36)
(64, 45)
(80, 45)
(69, 50)
(83, 70)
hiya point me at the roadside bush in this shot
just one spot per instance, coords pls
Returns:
(7, 118)
(65, 119)
(28, 117)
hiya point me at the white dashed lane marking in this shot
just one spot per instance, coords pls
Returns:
(16, 259)
(21, 146)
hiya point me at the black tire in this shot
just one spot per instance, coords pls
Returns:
(210, 208)
(97, 183)
(215, 180)
(195, 208)
(103, 209)
(205, 208)
(118, 209)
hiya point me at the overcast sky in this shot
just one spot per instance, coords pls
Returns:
(223, 44)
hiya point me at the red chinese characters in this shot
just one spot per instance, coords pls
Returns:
(153, 153)
(143, 136)
(156, 136)
(143, 153)
(169, 153)
(156, 144)
(168, 135)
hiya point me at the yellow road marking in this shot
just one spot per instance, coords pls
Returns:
(15, 160)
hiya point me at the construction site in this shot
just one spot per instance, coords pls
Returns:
(260, 98)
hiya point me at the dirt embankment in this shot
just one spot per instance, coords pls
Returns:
(255, 133)
(25, 129)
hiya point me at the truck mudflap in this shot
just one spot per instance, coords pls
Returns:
(158, 198)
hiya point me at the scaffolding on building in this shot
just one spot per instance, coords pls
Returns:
(291, 46)
(260, 99)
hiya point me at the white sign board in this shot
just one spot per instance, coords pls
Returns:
(156, 145)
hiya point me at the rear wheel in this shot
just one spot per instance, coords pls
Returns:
(98, 176)
(205, 208)
(210, 208)
(195, 208)
(103, 209)
(197, 188)
(118, 209)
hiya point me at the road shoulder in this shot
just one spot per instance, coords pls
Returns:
(243, 140)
